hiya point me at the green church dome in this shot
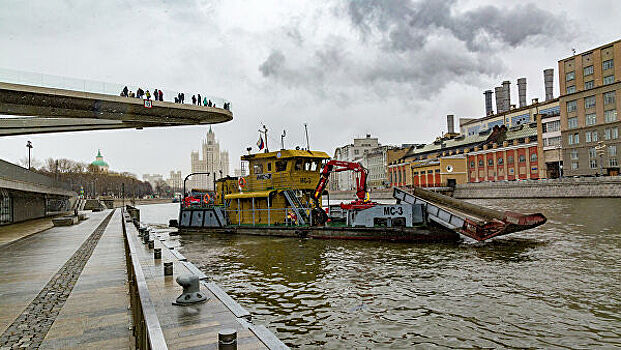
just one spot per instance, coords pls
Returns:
(99, 160)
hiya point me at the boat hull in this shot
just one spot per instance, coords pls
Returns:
(400, 234)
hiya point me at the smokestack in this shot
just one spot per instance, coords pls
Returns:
(548, 81)
(488, 102)
(506, 94)
(450, 123)
(522, 91)
(498, 93)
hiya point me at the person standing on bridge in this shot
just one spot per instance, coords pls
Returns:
(182, 97)
(205, 101)
(156, 95)
(198, 100)
(148, 94)
(193, 99)
(161, 95)
(124, 92)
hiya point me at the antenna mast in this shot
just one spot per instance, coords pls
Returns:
(282, 139)
(306, 132)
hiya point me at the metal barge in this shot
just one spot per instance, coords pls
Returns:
(278, 198)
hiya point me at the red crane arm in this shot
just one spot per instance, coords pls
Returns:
(335, 166)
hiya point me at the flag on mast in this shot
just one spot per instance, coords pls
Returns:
(260, 143)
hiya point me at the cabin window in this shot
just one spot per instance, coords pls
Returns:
(269, 167)
(281, 165)
(299, 163)
(257, 169)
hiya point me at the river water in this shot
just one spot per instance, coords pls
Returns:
(556, 286)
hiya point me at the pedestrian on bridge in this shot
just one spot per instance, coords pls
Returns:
(193, 99)
(148, 94)
(161, 95)
(198, 100)
(205, 101)
(124, 92)
(182, 97)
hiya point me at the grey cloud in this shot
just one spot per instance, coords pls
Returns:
(273, 64)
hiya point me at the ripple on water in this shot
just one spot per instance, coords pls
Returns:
(552, 287)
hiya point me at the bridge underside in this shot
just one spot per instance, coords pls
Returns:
(48, 110)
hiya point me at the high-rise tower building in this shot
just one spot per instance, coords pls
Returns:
(214, 161)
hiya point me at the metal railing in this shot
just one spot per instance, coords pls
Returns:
(93, 86)
(147, 329)
(290, 220)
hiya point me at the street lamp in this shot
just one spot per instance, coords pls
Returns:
(558, 147)
(601, 149)
(29, 146)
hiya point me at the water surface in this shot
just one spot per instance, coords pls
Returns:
(556, 286)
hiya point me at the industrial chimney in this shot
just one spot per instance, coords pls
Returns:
(498, 93)
(506, 94)
(522, 91)
(548, 81)
(488, 102)
(450, 123)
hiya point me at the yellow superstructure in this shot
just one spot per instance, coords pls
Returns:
(278, 188)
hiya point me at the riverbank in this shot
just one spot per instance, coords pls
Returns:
(583, 187)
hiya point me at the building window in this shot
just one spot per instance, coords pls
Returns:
(533, 157)
(552, 126)
(593, 163)
(574, 165)
(613, 162)
(552, 141)
(591, 119)
(571, 106)
(612, 151)
(589, 102)
(570, 76)
(574, 154)
(606, 134)
(572, 123)
(480, 162)
(576, 138)
(490, 162)
(509, 159)
(615, 133)
(592, 152)
(609, 79)
(571, 89)
(522, 158)
(610, 115)
(588, 85)
(570, 139)
(587, 137)
(609, 98)
(594, 136)
(588, 70)
(500, 161)
(609, 64)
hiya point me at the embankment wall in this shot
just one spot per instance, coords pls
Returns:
(591, 187)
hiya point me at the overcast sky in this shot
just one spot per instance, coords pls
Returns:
(393, 69)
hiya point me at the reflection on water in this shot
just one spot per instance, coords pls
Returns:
(554, 286)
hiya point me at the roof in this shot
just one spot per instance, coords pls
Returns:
(248, 194)
(522, 131)
(99, 163)
(287, 153)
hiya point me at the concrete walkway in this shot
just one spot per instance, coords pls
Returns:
(45, 273)
(14, 232)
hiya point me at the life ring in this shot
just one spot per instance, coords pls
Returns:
(206, 198)
(241, 182)
(367, 197)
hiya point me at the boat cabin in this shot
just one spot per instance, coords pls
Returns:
(276, 192)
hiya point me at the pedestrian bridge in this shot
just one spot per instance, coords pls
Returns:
(39, 103)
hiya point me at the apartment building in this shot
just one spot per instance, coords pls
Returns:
(589, 104)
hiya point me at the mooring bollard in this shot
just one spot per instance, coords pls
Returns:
(227, 339)
(191, 290)
(168, 268)
(151, 244)
(157, 253)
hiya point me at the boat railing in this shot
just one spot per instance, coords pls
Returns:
(290, 219)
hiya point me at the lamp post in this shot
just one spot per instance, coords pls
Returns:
(29, 146)
(601, 149)
(560, 173)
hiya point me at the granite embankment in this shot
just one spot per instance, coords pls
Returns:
(588, 187)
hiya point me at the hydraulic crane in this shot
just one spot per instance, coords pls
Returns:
(335, 166)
